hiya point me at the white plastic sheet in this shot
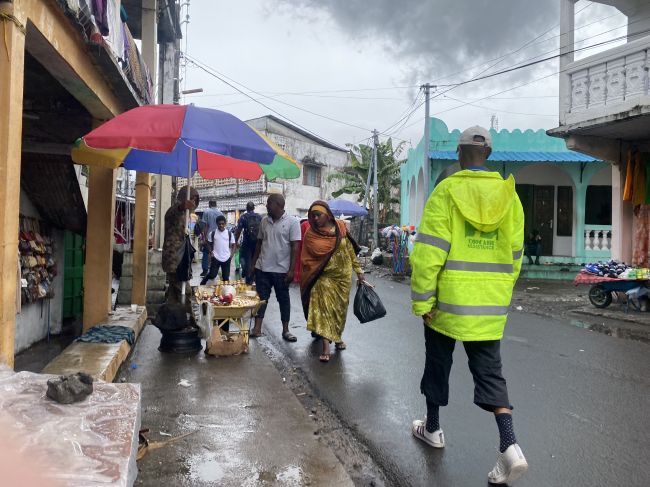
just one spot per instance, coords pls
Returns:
(89, 443)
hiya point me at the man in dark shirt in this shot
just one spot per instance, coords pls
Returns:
(174, 243)
(249, 224)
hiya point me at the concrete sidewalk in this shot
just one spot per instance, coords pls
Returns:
(246, 427)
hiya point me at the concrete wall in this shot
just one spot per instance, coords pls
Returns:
(32, 321)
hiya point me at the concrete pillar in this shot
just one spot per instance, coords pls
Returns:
(98, 268)
(141, 238)
(12, 39)
(567, 43)
(581, 202)
(622, 217)
(143, 180)
(168, 70)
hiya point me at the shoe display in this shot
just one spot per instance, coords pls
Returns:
(435, 439)
(511, 465)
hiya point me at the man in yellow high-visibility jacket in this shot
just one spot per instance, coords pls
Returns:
(466, 260)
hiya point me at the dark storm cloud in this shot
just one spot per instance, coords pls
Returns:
(438, 37)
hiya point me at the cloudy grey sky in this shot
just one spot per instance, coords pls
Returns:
(343, 67)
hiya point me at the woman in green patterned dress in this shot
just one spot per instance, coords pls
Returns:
(328, 258)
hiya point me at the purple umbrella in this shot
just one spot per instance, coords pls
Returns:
(347, 208)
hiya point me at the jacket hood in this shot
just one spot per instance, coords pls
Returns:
(483, 198)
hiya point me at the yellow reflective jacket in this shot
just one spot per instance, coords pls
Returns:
(467, 255)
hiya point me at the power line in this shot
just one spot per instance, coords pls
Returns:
(209, 71)
(224, 79)
(466, 102)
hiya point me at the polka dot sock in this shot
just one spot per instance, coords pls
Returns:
(506, 432)
(433, 423)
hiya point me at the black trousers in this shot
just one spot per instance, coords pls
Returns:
(264, 282)
(215, 265)
(246, 260)
(484, 358)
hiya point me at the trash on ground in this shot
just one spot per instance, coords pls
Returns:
(519, 308)
(184, 383)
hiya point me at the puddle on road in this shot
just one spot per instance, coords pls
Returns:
(612, 331)
(207, 470)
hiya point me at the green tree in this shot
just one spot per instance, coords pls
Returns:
(354, 177)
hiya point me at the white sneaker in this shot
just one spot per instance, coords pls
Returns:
(511, 464)
(435, 439)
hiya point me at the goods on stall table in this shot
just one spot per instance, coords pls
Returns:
(230, 303)
(632, 283)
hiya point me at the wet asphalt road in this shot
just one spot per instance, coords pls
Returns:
(582, 399)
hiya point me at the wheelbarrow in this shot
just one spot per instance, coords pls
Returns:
(601, 294)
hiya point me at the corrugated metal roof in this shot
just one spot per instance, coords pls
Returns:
(518, 156)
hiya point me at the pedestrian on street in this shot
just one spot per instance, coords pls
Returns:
(329, 255)
(222, 249)
(274, 262)
(176, 239)
(210, 219)
(249, 226)
(466, 260)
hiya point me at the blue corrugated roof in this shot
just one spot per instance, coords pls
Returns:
(517, 156)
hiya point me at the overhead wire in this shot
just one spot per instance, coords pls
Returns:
(229, 81)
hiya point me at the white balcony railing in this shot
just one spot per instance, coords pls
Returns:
(598, 240)
(607, 83)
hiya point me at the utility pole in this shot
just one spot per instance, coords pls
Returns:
(375, 140)
(365, 199)
(426, 169)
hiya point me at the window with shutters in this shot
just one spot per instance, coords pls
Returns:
(311, 175)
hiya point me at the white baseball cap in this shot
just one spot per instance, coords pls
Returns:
(476, 136)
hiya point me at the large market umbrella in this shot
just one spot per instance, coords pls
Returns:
(345, 207)
(178, 140)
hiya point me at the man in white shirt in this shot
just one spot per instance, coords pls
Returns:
(275, 260)
(222, 248)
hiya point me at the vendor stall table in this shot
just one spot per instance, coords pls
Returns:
(215, 316)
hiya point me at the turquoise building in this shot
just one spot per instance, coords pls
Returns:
(566, 195)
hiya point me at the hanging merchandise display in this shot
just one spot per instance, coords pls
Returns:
(37, 265)
(399, 240)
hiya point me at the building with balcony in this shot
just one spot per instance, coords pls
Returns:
(66, 66)
(605, 112)
(566, 195)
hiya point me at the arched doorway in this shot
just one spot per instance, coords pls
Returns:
(412, 200)
(420, 200)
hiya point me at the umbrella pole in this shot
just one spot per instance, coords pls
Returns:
(187, 212)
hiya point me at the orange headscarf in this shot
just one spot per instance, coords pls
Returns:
(318, 246)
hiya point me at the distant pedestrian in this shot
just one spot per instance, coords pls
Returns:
(248, 228)
(175, 245)
(201, 236)
(466, 260)
(329, 255)
(274, 262)
(534, 247)
(222, 248)
(210, 219)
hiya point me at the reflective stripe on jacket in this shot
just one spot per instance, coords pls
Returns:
(467, 255)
